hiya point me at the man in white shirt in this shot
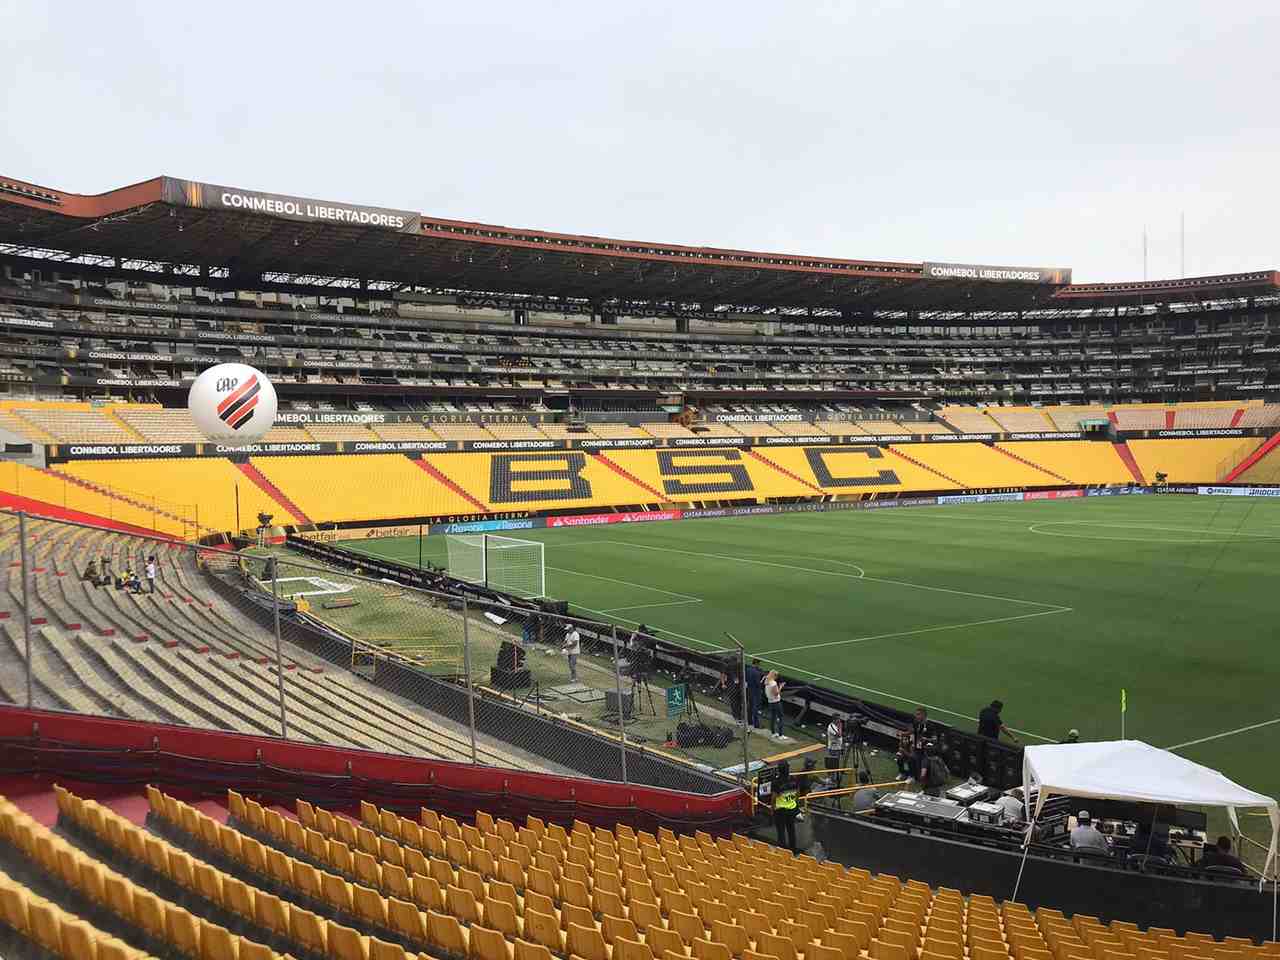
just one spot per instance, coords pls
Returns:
(151, 574)
(835, 750)
(1011, 803)
(572, 647)
(1085, 836)
(773, 694)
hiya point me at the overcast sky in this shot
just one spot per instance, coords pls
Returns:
(981, 131)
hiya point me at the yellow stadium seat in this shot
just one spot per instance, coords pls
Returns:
(446, 934)
(524, 950)
(217, 943)
(307, 929)
(369, 905)
(486, 944)
(345, 943)
(407, 920)
(543, 929)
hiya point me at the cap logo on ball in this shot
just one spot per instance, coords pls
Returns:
(233, 403)
(238, 406)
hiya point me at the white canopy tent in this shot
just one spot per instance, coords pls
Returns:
(1136, 771)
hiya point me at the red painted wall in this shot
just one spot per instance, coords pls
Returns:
(81, 748)
(11, 501)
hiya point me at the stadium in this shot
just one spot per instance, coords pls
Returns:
(570, 568)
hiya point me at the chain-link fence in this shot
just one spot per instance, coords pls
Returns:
(326, 647)
(266, 642)
(63, 488)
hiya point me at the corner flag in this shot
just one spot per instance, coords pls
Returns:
(1124, 700)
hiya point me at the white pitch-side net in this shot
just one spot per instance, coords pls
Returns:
(505, 564)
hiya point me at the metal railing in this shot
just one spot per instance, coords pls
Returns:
(269, 642)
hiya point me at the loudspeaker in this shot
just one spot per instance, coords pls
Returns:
(611, 703)
(510, 657)
(509, 679)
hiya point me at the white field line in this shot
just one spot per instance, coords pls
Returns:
(1229, 733)
(645, 606)
(911, 633)
(1137, 524)
(664, 630)
(732, 559)
(787, 668)
(797, 671)
(836, 573)
(627, 583)
(1206, 536)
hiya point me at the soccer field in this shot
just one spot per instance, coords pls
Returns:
(1051, 606)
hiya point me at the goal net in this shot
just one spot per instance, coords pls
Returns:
(507, 564)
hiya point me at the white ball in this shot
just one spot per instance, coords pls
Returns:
(233, 403)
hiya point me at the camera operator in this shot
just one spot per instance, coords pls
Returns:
(729, 690)
(917, 740)
(835, 750)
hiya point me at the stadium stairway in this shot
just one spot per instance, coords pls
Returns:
(1126, 456)
(183, 656)
(784, 471)
(1029, 463)
(924, 466)
(271, 490)
(617, 468)
(1252, 459)
(116, 495)
(439, 477)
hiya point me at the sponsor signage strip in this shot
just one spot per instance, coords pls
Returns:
(988, 273)
(209, 196)
(1238, 491)
(61, 453)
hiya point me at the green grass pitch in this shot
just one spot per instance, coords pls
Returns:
(1052, 607)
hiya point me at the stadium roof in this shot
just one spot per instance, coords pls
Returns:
(252, 234)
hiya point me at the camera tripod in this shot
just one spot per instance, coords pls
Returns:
(859, 757)
(642, 693)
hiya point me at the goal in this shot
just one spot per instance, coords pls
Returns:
(506, 564)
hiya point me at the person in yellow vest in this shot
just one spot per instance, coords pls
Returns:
(786, 805)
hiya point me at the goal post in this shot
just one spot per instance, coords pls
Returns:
(507, 564)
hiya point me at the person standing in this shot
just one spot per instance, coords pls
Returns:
(773, 694)
(755, 691)
(918, 747)
(151, 574)
(990, 725)
(785, 809)
(835, 750)
(572, 648)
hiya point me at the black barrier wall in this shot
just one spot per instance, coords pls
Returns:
(1222, 909)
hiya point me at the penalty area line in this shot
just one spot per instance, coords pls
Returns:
(1229, 733)
(645, 606)
(787, 668)
(911, 633)
(628, 583)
